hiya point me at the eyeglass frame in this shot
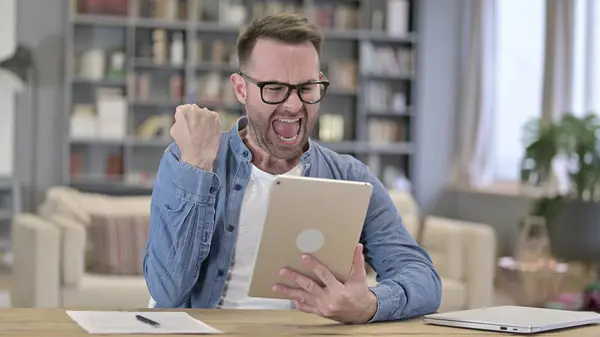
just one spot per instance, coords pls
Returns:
(291, 87)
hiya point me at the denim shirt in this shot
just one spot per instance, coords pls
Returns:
(194, 224)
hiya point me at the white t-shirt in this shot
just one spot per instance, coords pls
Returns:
(252, 217)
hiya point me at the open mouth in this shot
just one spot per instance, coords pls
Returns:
(287, 129)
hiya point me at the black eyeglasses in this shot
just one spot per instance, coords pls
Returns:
(274, 92)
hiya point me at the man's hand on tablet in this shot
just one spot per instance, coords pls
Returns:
(351, 302)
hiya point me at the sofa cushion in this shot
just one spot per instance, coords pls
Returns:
(63, 201)
(454, 294)
(445, 244)
(404, 202)
(118, 242)
(80, 206)
(104, 291)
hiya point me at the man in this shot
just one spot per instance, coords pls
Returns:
(211, 191)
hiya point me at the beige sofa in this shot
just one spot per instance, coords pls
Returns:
(464, 253)
(50, 250)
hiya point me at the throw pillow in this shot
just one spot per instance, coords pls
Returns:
(118, 242)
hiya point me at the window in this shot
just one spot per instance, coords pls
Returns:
(588, 57)
(520, 73)
(520, 62)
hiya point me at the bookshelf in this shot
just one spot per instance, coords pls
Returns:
(129, 63)
(10, 204)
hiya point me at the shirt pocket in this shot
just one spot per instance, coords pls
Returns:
(184, 217)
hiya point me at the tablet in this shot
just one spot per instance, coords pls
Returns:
(322, 217)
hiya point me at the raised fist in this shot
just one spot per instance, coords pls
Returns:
(197, 132)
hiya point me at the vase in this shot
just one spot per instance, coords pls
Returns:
(533, 243)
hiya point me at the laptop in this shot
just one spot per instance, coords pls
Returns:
(514, 319)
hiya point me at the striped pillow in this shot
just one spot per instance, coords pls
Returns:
(117, 243)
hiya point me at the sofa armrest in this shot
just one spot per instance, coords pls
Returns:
(73, 249)
(474, 244)
(35, 279)
(481, 256)
(443, 241)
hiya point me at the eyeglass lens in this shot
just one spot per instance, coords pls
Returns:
(309, 92)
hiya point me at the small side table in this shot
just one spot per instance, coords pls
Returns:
(530, 284)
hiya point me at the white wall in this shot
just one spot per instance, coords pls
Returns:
(7, 96)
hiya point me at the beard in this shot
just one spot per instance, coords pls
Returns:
(283, 134)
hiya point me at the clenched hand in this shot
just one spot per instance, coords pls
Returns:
(197, 133)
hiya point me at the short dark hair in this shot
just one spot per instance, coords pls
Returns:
(286, 28)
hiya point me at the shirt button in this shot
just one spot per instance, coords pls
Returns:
(220, 273)
(230, 228)
(213, 190)
(237, 187)
(245, 153)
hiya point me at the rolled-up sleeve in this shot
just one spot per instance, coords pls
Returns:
(182, 215)
(408, 283)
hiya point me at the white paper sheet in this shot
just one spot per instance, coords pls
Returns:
(125, 322)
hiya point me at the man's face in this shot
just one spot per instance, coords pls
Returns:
(282, 130)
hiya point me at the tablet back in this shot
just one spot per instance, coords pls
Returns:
(322, 217)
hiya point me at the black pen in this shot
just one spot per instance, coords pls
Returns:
(147, 321)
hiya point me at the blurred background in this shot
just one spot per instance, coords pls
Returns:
(479, 116)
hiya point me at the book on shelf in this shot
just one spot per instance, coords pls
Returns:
(263, 8)
(155, 127)
(159, 46)
(383, 132)
(233, 13)
(97, 64)
(338, 17)
(163, 9)
(144, 88)
(222, 52)
(394, 19)
(100, 7)
(237, 13)
(176, 88)
(112, 112)
(398, 15)
(83, 122)
(113, 166)
(163, 48)
(214, 88)
(141, 178)
(381, 97)
(343, 74)
(105, 119)
(386, 60)
(331, 128)
(76, 163)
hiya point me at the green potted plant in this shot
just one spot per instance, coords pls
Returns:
(572, 215)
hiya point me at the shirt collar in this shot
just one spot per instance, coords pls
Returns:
(238, 146)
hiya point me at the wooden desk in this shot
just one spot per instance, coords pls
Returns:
(263, 323)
